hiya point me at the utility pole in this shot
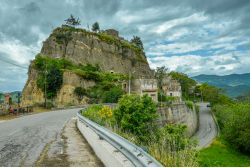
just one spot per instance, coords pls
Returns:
(201, 96)
(18, 101)
(129, 82)
(45, 86)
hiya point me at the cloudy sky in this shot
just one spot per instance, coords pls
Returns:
(191, 36)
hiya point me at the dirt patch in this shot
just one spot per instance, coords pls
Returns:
(58, 160)
(69, 149)
(78, 150)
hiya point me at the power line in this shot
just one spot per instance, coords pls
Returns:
(14, 64)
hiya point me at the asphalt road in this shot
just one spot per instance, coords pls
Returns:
(207, 128)
(22, 140)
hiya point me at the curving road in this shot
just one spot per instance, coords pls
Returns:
(37, 139)
(207, 128)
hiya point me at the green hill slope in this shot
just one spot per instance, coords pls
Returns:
(234, 84)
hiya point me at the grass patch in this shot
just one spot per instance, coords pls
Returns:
(220, 155)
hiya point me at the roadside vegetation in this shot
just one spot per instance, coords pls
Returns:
(234, 121)
(232, 148)
(245, 97)
(220, 154)
(134, 118)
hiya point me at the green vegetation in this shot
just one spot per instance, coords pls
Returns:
(137, 115)
(107, 88)
(172, 148)
(221, 155)
(234, 121)
(1, 98)
(72, 21)
(189, 104)
(96, 27)
(166, 99)
(80, 92)
(245, 97)
(50, 76)
(187, 84)
(160, 74)
(134, 118)
(137, 42)
(99, 114)
(112, 95)
(212, 94)
(233, 84)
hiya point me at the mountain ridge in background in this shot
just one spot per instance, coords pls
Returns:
(233, 84)
(14, 96)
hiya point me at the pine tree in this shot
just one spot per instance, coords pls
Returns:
(137, 42)
(72, 21)
(96, 27)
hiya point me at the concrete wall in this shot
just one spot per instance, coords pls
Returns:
(179, 113)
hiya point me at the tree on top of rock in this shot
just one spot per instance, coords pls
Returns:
(72, 21)
(96, 27)
(137, 42)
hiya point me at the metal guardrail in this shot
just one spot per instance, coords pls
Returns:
(134, 153)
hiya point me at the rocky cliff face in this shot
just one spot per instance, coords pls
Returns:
(82, 47)
(85, 47)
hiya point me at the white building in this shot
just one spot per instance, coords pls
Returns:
(142, 87)
(171, 87)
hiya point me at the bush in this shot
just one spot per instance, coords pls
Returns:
(234, 121)
(53, 80)
(105, 113)
(88, 75)
(90, 67)
(92, 113)
(107, 84)
(113, 95)
(134, 119)
(80, 92)
(189, 104)
(137, 115)
(100, 114)
(172, 148)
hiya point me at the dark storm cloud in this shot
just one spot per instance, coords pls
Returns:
(194, 29)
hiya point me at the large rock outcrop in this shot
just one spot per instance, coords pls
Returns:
(82, 47)
(86, 47)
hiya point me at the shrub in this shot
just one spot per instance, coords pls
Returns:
(80, 92)
(106, 89)
(137, 115)
(52, 80)
(234, 121)
(100, 114)
(88, 75)
(90, 67)
(105, 113)
(113, 95)
(189, 104)
(172, 148)
(92, 113)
